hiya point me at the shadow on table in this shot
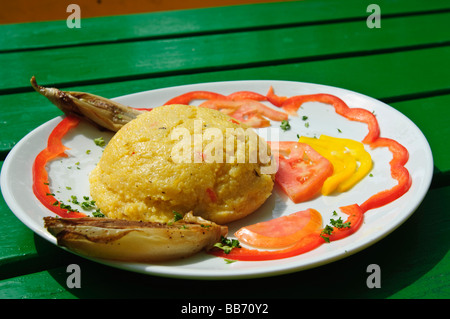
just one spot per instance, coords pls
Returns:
(404, 257)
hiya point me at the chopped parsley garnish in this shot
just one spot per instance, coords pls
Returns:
(67, 207)
(338, 223)
(74, 199)
(285, 125)
(227, 244)
(99, 141)
(328, 230)
(177, 216)
(97, 213)
(304, 118)
(88, 204)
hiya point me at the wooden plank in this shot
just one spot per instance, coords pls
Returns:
(25, 111)
(414, 262)
(210, 20)
(131, 60)
(39, 285)
(16, 238)
(21, 251)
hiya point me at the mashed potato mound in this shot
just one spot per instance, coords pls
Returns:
(142, 175)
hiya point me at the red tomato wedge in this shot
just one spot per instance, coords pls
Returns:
(302, 246)
(282, 231)
(250, 112)
(244, 106)
(252, 120)
(292, 104)
(54, 149)
(301, 174)
(305, 244)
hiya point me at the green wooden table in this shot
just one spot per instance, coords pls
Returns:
(405, 63)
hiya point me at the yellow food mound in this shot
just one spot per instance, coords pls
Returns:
(142, 174)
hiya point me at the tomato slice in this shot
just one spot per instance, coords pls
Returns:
(303, 173)
(247, 107)
(221, 104)
(305, 244)
(253, 120)
(250, 112)
(282, 231)
(244, 106)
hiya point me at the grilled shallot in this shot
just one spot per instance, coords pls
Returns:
(135, 241)
(104, 112)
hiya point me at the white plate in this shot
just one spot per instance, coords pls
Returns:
(16, 179)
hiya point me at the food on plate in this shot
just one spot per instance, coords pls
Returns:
(172, 161)
(301, 170)
(351, 162)
(250, 112)
(311, 240)
(135, 241)
(243, 106)
(54, 149)
(281, 232)
(144, 174)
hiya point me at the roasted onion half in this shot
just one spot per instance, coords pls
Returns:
(135, 241)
